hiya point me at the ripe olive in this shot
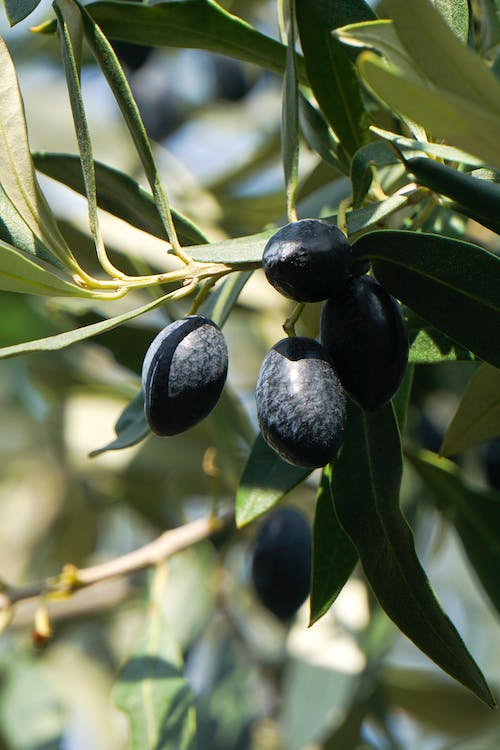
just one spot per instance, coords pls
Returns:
(300, 402)
(183, 374)
(308, 260)
(281, 562)
(364, 332)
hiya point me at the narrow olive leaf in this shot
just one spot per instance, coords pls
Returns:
(433, 149)
(332, 75)
(438, 52)
(130, 428)
(478, 414)
(447, 115)
(428, 346)
(154, 694)
(266, 479)
(118, 194)
(198, 24)
(401, 400)
(318, 134)
(62, 340)
(382, 37)
(221, 301)
(474, 513)
(456, 15)
(334, 555)
(368, 216)
(365, 160)
(18, 10)
(23, 272)
(17, 173)
(117, 81)
(452, 284)
(369, 512)
(69, 25)
(290, 116)
(481, 197)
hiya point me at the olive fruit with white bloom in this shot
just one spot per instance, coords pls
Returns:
(183, 374)
(308, 260)
(300, 402)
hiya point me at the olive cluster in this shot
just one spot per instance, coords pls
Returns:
(302, 384)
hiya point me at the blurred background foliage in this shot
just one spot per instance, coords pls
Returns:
(350, 681)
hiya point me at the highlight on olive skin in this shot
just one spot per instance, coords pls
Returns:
(300, 402)
(308, 260)
(183, 374)
(281, 562)
(364, 333)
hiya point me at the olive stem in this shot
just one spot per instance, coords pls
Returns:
(289, 324)
(72, 579)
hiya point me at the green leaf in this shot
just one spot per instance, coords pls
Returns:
(222, 300)
(332, 75)
(23, 272)
(456, 15)
(433, 149)
(478, 415)
(451, 116)
(474, 513)
(429, 346)
(198, 24)
(17, 173)
(17, 10)
(317, 133)
(290, 116)
(452, 284)
(369, 512)
(368, 157)
(118, 194)
(62, 340)
(117, 81)
(439, 54)
(154, 693)
(401, 400)
(382, 37)
(334, 555)
(130, 428)
(266, 479)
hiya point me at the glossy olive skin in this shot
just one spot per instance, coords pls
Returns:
(281, 562)
(364, 332)
(308, 260)
(183, 374)
(300, 402)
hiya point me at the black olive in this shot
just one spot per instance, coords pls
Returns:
(308, 260)
(300, 402)
(183, 374)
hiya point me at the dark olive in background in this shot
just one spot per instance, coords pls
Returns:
(183, 374)
(308, 260)
(300, 402)
(363, 330)
(281, 562)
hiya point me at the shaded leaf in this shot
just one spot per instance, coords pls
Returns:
(153, 692)
(401, 399)
(368, 510)
(332, 75)
(130, 428)
(334, 555)
(433, 149)
(118, 194)
(290, 116)
(318, 135)
(17, 10)
(452, 284)
(222, 300)
(362, 168)
(477, 418)
(265, 480)
(474, 513)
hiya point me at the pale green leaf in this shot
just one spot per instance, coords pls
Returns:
(17, 174)
(450, 65)
(448, 115)
(478, 415)
(290, 116)
(62, 340)
(154, 694)
(456, 15)
(433, 149)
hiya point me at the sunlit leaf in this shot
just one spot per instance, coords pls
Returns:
(477, 418)
(334, 555)
(368, 509)
(456, 15)
(265, 480)
(433, 149)
(452, 284)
